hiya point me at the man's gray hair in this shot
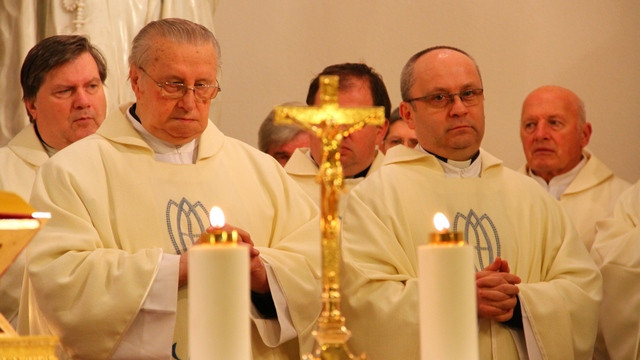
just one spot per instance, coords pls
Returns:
(272, 134)
(174, 29)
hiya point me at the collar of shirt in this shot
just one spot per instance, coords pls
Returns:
(459, 169)
(48, 149)
(559, 183)
(165, 152)
(362, 173)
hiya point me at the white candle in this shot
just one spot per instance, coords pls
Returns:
(447, 298)
(219, 325)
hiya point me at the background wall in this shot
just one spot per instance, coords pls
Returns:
(272, 49)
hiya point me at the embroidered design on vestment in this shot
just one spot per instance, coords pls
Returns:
(185, 223)
(481, 233)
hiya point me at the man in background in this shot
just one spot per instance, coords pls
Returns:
(359, 86)
(281, 140)
(399, 133)
(554, 133)
(62, 80)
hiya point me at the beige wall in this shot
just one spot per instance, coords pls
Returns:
(272, 49)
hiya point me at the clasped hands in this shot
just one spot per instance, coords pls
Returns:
(497, 291)
(258, 272)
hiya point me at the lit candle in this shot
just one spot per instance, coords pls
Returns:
(219, 325)
(447, 296)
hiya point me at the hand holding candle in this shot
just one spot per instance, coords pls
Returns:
(219, 326)
(447, 296)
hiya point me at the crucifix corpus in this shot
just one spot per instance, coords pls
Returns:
(331, 124)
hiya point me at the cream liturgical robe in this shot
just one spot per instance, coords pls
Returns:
(617, 253)
(115, 210)
(501, 213)
(304, 171)
(20, 160)
(591, 196)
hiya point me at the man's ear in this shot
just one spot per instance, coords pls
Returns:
(382, 132)
(585, 134)
(134, 78)
(30, 105)
(406, 111)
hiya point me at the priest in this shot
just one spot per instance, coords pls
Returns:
(108, 274)
(538, 291)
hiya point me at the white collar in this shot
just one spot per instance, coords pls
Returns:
(165, 152)
(559, 183)
(459, 169)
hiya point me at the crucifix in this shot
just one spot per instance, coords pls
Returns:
(331, 124)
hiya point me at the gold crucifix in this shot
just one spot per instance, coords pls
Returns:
(331, 124)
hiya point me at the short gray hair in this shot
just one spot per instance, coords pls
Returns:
(272, 134)
(178, 30)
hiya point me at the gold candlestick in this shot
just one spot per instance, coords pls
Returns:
(218, 236)
(443, 236)
(331, 124)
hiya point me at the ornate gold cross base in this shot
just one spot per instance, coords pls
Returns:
(332, 343)
(331, 124)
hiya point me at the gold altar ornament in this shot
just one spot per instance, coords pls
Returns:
(19, 222)
(331, 124)
(218, 236)
(443, 236)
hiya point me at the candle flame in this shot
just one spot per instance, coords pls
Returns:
(216, 217)
(441, 222)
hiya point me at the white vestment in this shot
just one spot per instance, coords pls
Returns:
(617, 252)
(303, 169)
(20, 160)
(501, 213)
(590, 196)
(116, 211)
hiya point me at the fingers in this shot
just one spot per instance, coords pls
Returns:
(243, 237)
(494, 266)
(494, 313)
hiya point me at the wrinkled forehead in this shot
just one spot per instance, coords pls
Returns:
(164, 51)
(551, 101)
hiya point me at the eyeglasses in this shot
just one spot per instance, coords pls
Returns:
(176, 90)
(468, 97)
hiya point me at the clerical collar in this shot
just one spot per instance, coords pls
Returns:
(47, 148)
(559, 183)
(132, 112)
(362, 173)
(164, 151)
(458, 169)
(458, 164)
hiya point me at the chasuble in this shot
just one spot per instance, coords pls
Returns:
(116, 211)
(616, 252)
(591, 196)
(501, 213)
(20, 160)
(304, 171)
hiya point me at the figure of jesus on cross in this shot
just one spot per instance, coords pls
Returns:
(331, 124)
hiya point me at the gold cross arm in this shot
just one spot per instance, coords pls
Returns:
(324, 119)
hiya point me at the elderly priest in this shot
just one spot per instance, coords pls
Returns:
(108, 274)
